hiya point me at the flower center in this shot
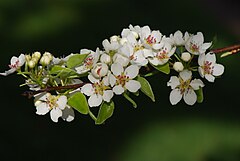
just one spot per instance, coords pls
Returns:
(138, 47)
(122, 79)
(16, 65)
(52, 101)
(100, 87)
(151, 40)
(162, 55)
(194, 47)
(207, 67)
(89, 62)
(184, 85)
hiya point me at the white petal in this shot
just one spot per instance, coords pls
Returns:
(116, 69)
(42, 108)
(55, 114)
(210, 77)
(218, 69)
(107, 95)
(10, 71)
(92, 78)
(95, 100)
(87, 89)
(133, 85)
(201, 71)
(190, 97)
(211, 57)
(173, 82)
(132, 71)
(147, 53)
(118, 89)
(82, 69)
(196, 83)
(157, 46)
(198, 38)
(205, 46)
(175, 96)
(21, 59)
(62, 102)
(112, 80)
(13, 60)
(201, 59)
(68, 114)
(154, 61)
(185, 74)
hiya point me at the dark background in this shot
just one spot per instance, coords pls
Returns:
(154, 131)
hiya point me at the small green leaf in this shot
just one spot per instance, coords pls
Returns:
(199, 95)
(78, 101)
(76, 60)
(130, 100)
(163, 68)
(105, 112)
(61, 71)
(146, 88)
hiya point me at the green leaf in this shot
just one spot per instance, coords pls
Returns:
(146, 88)
(61, 71)
(76, 60)
(163, 68)
(130, 100)
(199, 95)
(105, 112)
(79, 102)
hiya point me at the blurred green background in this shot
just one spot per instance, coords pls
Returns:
(154, 131)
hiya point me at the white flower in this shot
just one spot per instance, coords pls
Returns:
(99, 70)
(110, 46)
(195, 44)
(151, 39)
(122, 80)
(16, 63)
(208, 67)
(105, 58)
(183, 86)
(89, 62)
(135, 51)
(98, 91)
(55, 104)
(178, 66)
(135, 31)
(178, 38)
(163, 55)
(121, 59)
(186, 56)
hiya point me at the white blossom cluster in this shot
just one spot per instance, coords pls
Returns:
(115, 70)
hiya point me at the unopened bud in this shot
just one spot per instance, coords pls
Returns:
(37, 103)
(31, 64)
(178, 66)
(114, 38)
(45, 60)
(49, 55)
(36, 55)
(99, 70)
(186, 56)
(105, 58)
(123, 41)
(28, 58)
(135, 34)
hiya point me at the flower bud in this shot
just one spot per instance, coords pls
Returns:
(49, 55)
(37, 103)
(178, 66)
(114, 38)
(105, 58)
(135, 34)
(31, 64)
(99, 70)
(123, 41)
(186, 56)
(36, 55)
(28, 58)
(118, 58)
(45, 60)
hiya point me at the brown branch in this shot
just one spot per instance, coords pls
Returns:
(30, 94)
(233, 49)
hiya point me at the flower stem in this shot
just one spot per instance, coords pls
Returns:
(130, 99)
